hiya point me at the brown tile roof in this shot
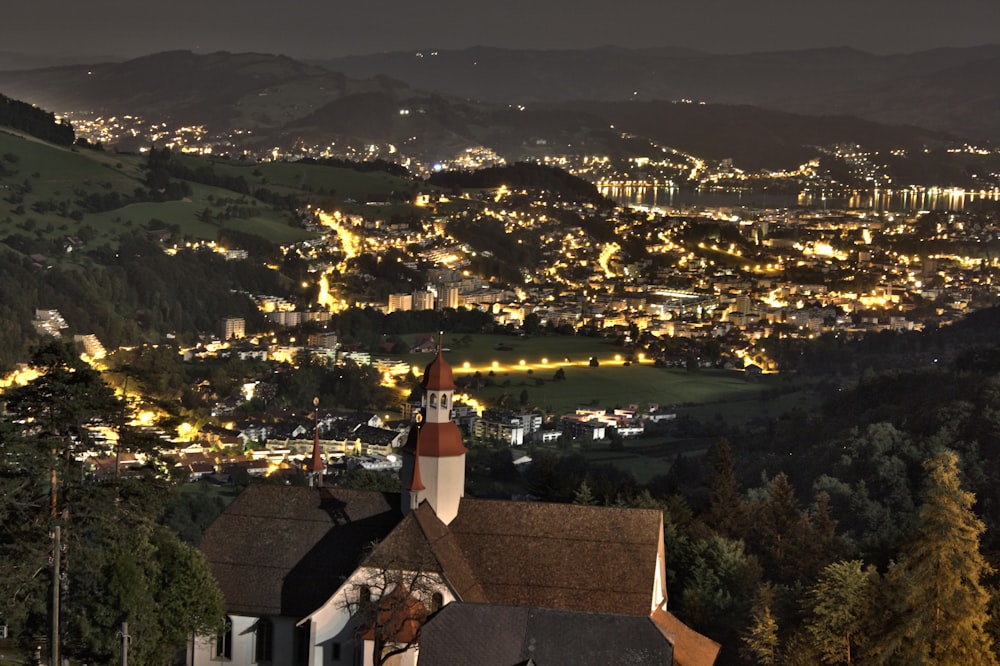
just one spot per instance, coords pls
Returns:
(463, 634)
(424, 543)
(449, 554)
(690, 647)
(280, 550)
(561, 556)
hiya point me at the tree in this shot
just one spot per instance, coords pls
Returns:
(24, 526)
(760, 640)
(392, 596)
(124, 567)
(839, 603)
(727, 511)
(717, 583)
(779, 529)
(532, 322)
(118, 562)
(584, 495)
(938, 604)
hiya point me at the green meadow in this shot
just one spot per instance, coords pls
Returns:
(43, 188)
(703, 393)
(712, 397)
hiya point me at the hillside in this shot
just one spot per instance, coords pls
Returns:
(83, 231)
(752, 137)
(949, 90)
(255, 102)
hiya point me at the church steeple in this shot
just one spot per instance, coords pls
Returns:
(317, 468)
(434, 454)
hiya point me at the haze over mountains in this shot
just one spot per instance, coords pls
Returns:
(949, 89)
(762, 109)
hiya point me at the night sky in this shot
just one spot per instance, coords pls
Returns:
(323, 28)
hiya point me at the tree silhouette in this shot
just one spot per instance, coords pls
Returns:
(727, 511)
(939, 606)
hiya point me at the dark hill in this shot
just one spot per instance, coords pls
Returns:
(34, 121)
(276, 101)
(754, 138)
(944, 89)
(180, 85)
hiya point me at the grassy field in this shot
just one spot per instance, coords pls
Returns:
(703, 394)
(298, 176)
(42, 185)
(186, 214)
(721, 397)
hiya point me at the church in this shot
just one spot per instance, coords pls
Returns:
(324, 576)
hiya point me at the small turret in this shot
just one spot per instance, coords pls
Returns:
(317, 468)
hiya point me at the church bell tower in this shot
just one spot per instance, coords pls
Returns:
(434, 454)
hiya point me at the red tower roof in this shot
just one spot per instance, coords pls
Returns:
(416, 484)
(440, 440)
(437, 374)
(316, 465)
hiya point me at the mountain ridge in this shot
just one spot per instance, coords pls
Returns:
(272, 101)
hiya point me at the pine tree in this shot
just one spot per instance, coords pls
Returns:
(939, 605)
(727, 511)
(760, 641)
(584, 495)
(839, 603)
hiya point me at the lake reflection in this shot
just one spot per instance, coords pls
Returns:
(898, 201)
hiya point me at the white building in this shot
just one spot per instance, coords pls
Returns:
(285, 558)
(400, 302)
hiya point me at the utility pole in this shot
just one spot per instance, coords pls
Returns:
(56, 584)
(126, 640)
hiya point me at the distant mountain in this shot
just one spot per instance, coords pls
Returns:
(952, 90)
(13, 61)
(754, 138)
(282, 102)
(217, 89)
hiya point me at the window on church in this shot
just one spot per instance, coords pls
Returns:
(444, 401)
(224, 640)
(263, 648)
(301, 646)
(434, 400)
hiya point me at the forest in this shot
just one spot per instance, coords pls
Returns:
(131, 295)
(861, 531)
(520, 175)
(34, 121)
(107, 537)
